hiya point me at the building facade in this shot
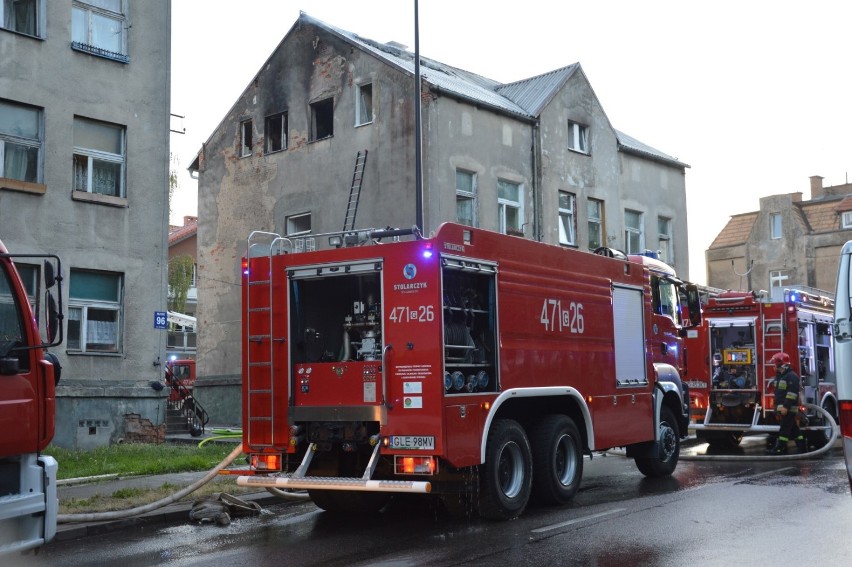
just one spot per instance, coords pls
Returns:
(84, 157)
(183, 243)
(787, 243)
(537, 158)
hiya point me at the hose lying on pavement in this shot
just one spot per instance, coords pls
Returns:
(119, 514)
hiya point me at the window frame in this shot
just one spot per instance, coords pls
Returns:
(23, 141)
(503, 204)
(364, 103)
(292, 219)
(578, 137)
(269, 128)
(92, 155)
(846, 219)
(596, 224)
(246, 134)
(323, 105)
(777, 279)
(38, 23)
(463, 195)
(665, 237)
(640, 232)
(84, 305)
(569, 214)
(90, 46)
(776, 226)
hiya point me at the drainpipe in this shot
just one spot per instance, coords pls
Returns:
(538, 232)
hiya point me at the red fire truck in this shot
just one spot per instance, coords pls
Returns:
(470, 363)
(28, 377)
(729, 373)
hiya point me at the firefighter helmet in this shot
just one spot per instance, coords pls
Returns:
(780, 359)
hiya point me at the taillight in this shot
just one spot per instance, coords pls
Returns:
(266, 462)
(415, 465)
(845, 416)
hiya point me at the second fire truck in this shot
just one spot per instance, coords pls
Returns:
(731, 377)
(471, 365)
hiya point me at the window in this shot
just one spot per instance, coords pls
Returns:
(664, 227)
(595, 214)
(11, 319)
(276, 132)
(322, 119)
(466, 197)
(775, 226)
(665, 298)
(299, 224)
(363, 104)
(846, 219)
(21, 16)
(98, 27)
(578, 137)
(510, 209)
(94, 306)
(98, 157)
(777, 282)
(634, 237)
(567, 218)
(245, 138)
(20, 142)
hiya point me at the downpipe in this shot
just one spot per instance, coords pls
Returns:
(835, 430)
(121, 514)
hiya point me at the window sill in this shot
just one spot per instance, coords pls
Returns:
(99, 199)
(363, 124)
(23, 186)
(321, 139)
(581, 152)
(22, 34)
(98, 52)
(92, 353)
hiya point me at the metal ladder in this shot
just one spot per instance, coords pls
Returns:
(260, 379)
(772, 329)
(355, 191)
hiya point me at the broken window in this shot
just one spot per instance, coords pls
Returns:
(299, 224)
(364, 104)
(245, 138)
(322, 119)
(276, 132)
(578, 137)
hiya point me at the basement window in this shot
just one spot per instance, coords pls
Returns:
(322, 119)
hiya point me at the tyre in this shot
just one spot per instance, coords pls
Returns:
(668, 448)
(506, 477)
(724, 439)
(343, 502)
(557, 459)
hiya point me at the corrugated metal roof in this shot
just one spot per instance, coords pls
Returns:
(535, 93)
(632, 144)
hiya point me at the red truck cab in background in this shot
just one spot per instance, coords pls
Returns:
(28, 377)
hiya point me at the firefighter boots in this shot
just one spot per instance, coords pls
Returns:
(780, 448)
(801, 445)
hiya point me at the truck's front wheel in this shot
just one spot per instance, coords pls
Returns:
(667, 452)
(507, 472)
(557, 459)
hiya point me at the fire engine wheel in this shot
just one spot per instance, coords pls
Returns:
(507, 472)
(343, 502)
(557, 459)
(668, 450)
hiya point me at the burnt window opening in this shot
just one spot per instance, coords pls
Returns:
(245, 138)
(364, 105)
(322, 119)
(276, 132)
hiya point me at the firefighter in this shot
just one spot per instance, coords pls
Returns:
(786, 405)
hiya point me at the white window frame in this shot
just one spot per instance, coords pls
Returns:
(666, 248)
(503, 204)
(19, 140)
(776, 227)
(578, 137)
(293, 221)
(364, 113)
(5, 11)
(463, 195)
(268, 127)
(92, 155)
(634, 231)
(777, 283)
(91, 9)
(84, 305)
(246, 138)
(846, 219)
(567, 219)
(596, 223)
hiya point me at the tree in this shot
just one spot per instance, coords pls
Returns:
(180, 280)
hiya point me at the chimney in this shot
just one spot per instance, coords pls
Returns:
(816, 187)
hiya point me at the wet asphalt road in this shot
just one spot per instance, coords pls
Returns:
(708, 513)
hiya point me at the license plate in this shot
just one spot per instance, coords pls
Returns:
(416, 442)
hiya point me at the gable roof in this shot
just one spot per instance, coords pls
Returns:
(736, 231)
(633, 146)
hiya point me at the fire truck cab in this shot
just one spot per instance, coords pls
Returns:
(469, 363)
(730, 375)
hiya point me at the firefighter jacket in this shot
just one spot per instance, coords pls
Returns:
(787, 390)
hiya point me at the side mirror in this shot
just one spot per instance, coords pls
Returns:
(49, 275)
(52, 326)
(693, 300)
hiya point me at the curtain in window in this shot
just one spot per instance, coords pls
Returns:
(19, 15)
(100, 332)
(105, 178)
(20, 162)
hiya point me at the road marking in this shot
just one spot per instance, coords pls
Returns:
(576, 521)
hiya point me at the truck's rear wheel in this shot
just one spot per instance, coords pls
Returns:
(557, 459)
(343, 502)
(507, 472)
(663, 463)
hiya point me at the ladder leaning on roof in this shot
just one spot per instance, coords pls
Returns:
(355, 191)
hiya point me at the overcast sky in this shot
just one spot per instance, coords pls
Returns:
(753, 95)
